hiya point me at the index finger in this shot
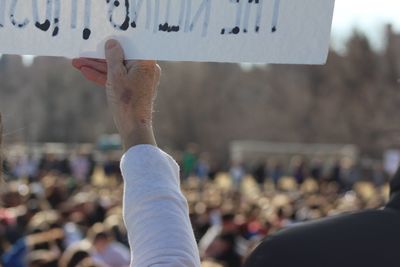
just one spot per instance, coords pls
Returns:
(97, 64)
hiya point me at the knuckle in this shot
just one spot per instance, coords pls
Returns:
(147, 72)
(146, 66)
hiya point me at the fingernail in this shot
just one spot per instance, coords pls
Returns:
(111, 44)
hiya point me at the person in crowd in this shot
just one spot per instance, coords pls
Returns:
(223, 249)
(107, 250)
(299, 169)
(189, 160)
(48, 163)
(80, 166)
(203, 167)
(17, 254)
(316, 169)
(277, 172)
(25, 167)
(237, 172)
(260, 173)
(78, 255)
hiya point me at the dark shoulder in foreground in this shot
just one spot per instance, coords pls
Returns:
(370, 238)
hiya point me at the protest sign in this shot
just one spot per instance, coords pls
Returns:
(265, 31)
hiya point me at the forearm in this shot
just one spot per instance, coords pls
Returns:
(155, 211)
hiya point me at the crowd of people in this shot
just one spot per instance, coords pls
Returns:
(65, 209)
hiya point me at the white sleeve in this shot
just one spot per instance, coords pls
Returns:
(156, 213)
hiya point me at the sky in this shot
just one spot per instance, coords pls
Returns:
(369, 16)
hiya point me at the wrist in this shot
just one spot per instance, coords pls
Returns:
(141, 133)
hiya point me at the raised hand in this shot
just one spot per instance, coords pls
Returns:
(131, 90)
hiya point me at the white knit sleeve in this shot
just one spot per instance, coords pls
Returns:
(155, 211)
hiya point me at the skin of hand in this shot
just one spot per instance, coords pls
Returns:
(131, 88)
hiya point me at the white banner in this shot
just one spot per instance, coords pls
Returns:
(264, 31)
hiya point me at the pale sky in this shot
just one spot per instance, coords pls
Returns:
(367, 15)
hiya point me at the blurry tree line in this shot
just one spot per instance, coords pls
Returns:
(354, 99)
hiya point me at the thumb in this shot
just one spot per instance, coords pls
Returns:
(114, 57)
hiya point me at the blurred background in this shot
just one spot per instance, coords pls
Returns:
(261, 147)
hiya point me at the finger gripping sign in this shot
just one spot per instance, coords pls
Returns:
(265, 31)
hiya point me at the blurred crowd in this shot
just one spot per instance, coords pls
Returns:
(65, 209)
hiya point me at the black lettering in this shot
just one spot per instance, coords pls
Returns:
(46, 24)
(156, 15)
(168, 26)
(14, 22)
(86, 33)
(246, 20)
(86, 17)
(275, 17)
(2, 12)
(236, 28)
(136, 7)
(246, 16)
(111, 7)
(56, 20)
(190, 24)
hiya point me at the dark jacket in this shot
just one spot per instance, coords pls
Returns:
(370, 238)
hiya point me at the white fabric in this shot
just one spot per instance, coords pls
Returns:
(156, 213)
